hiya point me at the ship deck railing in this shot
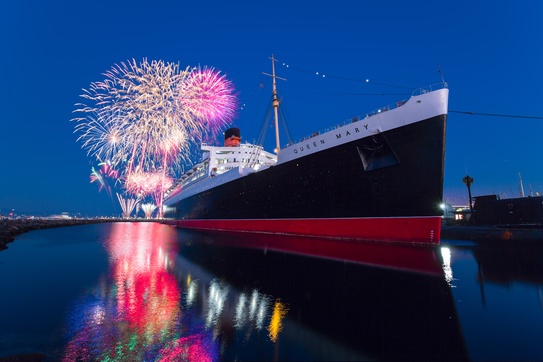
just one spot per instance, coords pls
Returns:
(246, 145)
(416, 92)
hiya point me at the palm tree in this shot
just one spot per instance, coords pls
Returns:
(468, 181)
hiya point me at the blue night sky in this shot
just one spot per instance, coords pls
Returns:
(490, 53)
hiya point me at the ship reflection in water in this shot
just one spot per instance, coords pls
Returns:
(232, 296)
(164, 294)
(341, 300)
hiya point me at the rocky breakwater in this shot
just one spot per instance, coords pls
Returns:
(10, 228)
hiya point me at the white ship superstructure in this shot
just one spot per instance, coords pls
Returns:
(221, 164)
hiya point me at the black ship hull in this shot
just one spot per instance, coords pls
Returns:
(389, 183)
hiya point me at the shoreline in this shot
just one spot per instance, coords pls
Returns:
(11, 228)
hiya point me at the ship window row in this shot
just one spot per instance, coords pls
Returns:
(222, 153)
(195, 177)
(222, 169)
(222, 161)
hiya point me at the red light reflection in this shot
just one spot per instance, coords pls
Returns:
(147, 294)
(136, 314)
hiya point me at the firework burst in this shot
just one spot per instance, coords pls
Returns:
(209, 96)
(101, 136)
(134, 113)
(142, 184)
(146, 116)
(148, 210)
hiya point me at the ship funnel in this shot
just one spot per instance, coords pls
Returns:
(232, 137)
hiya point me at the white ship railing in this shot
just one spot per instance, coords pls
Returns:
(429, 88)
(416, 92)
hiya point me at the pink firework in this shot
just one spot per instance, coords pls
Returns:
(209, 96)
(141, 184)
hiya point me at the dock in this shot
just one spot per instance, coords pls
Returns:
(515, 233)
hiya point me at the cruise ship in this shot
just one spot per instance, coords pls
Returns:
(378, 177)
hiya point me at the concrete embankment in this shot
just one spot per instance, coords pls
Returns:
(495, 234)
(9, 229)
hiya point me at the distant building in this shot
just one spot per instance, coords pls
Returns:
(491, 210)
(461, 213)
(62, 216)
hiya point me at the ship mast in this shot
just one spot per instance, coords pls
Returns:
(275, 104)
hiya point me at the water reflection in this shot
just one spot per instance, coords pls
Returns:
(276, 324)
(498, 295)
(338, 300)
(144, 291)
(140, 312)
(178, 295)
(251, 311)
(394, 256)
(508, 264)
(136, 312)
(447, 270)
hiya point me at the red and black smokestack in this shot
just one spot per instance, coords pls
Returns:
(232, 137)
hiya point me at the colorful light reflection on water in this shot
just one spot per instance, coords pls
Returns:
(141, 311)
(146, 291)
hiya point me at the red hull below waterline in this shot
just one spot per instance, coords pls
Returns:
(417, 230)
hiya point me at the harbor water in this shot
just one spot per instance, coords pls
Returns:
(131, 291)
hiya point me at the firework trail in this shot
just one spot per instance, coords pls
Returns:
(96, 177)
(104, 172)
(148, 209)
(127, 205)
(101, 137)
(146, 117)
(107, 169)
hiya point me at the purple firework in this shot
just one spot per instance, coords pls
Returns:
(209, 96)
